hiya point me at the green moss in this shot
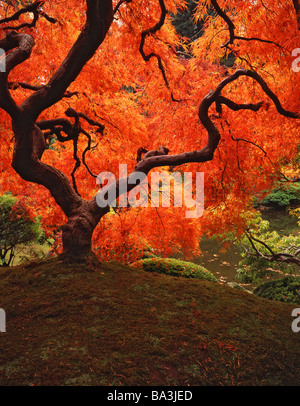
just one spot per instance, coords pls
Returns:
(175, 267)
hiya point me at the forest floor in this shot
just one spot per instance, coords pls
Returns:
(69, 326)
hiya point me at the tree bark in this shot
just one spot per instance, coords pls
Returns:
(83, 216)
(77, 236)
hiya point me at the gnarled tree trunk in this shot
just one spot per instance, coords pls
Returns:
(77, 235)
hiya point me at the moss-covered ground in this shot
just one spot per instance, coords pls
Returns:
(67, 325)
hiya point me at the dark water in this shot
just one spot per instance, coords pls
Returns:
(224, 264)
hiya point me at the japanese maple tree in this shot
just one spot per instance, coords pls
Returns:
(87, 84)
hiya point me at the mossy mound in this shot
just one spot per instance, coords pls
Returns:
(70, 326)
(175, 267)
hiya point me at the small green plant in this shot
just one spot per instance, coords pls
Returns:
(284, 290)
(175, 267)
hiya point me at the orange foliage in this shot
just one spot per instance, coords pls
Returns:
(130, 98)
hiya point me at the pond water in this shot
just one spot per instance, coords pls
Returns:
(224, 264)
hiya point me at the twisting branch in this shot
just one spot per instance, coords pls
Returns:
(28, 86)
(61, 125)
(29, 138)
(120, 4)
(78, 129)
(150, 31)
(31, 8)
(88, 148)
(35, 9)
(19, 47)
(231, 28)
(153, 30)
(286, 257)
(56, 127)
(206, 153)
(236, 106)
(251, 239)
(99, 17)
(225, 17)
(254, 75)
(219, 100)
(72, 113)
(249, 142)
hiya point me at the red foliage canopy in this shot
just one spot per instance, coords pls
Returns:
(84, 90)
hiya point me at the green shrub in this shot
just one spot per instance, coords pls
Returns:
(283, 195)
(253, 267)
(284, 290)
(175, 267)
(17, 228)
(247, 274)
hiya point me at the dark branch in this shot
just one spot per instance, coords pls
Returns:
(151, 31)
(225, 17)
(251, 238)
(76, 127)
(28, 9)
(56, 127)
(72, 113)
(88, 148)
(120, 4)
(266, 41)
(235, 106)
(249, 142)
(21, 44)
(206, 153)
(61, 125)
(34, 8)
(29, 138)
(231, 28)
(285, 257)
(99, 16)
(27, 86)
(19, 47)
(263, 85)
